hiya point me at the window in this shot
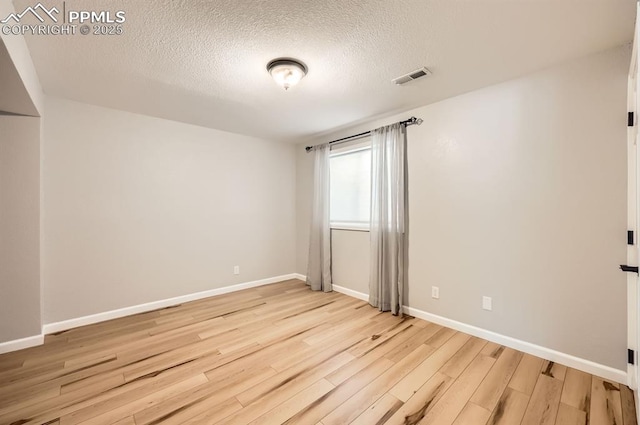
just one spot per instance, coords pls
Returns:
(350, 187)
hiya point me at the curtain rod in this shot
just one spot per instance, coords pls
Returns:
(410, 121)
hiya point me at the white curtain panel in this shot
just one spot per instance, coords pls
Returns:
(319, 264)
(388, 218)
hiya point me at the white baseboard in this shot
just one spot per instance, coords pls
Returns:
(355, 294)
(142, 308)
(584, 365)
(19, 344)
(300, 277)
(526, 347)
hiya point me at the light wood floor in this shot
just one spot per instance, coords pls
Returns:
(283, 354)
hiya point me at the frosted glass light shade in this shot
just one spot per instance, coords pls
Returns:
(286, 72)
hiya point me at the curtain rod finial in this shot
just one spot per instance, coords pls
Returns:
(413, 120)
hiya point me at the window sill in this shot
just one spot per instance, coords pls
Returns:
(355, 227)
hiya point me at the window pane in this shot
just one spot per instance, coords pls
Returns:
(351, 187)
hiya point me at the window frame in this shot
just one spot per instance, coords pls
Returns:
(347, 150)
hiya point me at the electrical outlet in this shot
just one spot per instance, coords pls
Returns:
(435, 292)
(486, 303)
(236, 269)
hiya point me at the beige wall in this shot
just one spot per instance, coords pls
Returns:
(138, 209)
(518, 192)
(19, 227)
(350, 254)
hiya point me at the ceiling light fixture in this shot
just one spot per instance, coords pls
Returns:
(287, 72)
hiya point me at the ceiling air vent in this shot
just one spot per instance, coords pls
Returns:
(413, 75)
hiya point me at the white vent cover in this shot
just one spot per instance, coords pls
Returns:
(413, 75)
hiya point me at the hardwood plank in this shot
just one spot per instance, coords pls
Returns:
(26, 403)
(94, 386)
(404, 389)
(286, 410)
(606, 407)
(319, 365)
(568, 415)
(472, 414)
(544, 402)
(360, 363)
(320, 408)
(554, 370)
(460, 360)
(113, 410)
(526, 375)
(416, 340)
(493, 350)
(211, 415)
(510, 408)
(7, 363)
(19, 373)
(379, 412)
(381, 338)
(497, 379)
(421, 403)
(628, 406)
(126, 421)
(577, 390)
(186, 405)
(257, 403)
(350, 326)
(90, 360)
(359, 402)
(190, 352)
(68, 403)
(446, 410)
(440, 337)
(65, 376)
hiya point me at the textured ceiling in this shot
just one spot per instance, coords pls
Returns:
(203, 62)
